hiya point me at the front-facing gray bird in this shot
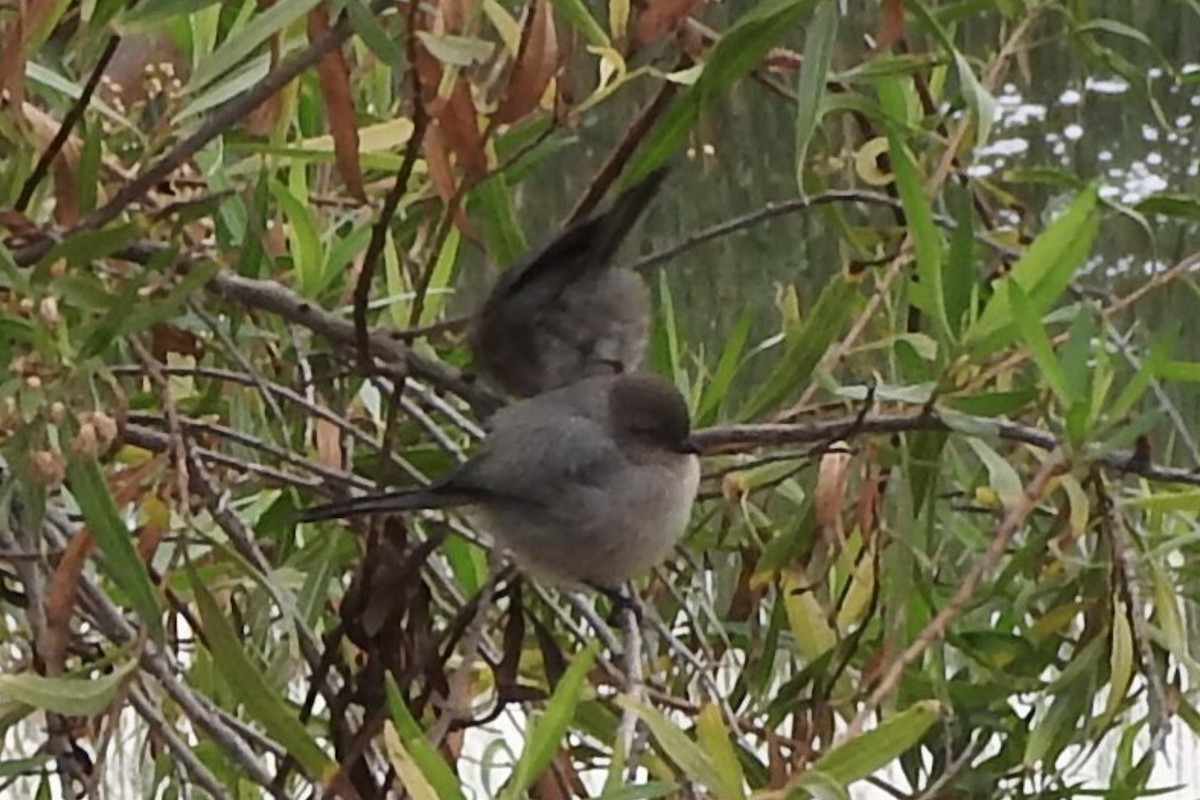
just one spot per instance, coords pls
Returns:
(566, 312)
(589, 484)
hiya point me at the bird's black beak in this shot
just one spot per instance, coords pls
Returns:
(689, 445)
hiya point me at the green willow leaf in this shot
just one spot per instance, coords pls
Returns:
(819, 41)
(864, 755)
(805, 347)
(245, 40)
(547, 731)
(1043, 272)
(72, 696)
(675, 744)
(715, 740)
(122, 562)
(424, 759)
(247, 682)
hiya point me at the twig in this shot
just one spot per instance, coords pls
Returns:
(626, 147)
(179, 443)
(150, 713)
(935, 789)
(310, 408)
(460, 680)
(245, 440)
(109, 620)
(160, 442)
(235, 352)
(733, 438)
(635, 688)
(270, 296)
(1157, 702)
(362, 287)
(68, 125)
(838, 351)
(1011, 361)
(773, 210)
(17, 534)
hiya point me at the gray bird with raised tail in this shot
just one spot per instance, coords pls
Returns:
(589, 484)
(565, 312)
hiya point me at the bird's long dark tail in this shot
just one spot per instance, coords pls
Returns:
(615, 223)
(591, 243)
(389, 503)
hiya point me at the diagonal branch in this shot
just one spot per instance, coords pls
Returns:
(936, 628)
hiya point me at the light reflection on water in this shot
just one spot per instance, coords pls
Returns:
(1025, 120)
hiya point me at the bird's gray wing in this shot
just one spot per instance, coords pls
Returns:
(539, 460)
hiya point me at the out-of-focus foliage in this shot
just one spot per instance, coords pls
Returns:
(946, 538)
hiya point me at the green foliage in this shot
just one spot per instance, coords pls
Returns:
(890, 574)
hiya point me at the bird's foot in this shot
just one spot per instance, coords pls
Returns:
(622, 603)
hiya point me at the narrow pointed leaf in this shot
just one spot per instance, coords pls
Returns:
(918, 215)
(864, 755)
(685, 753)
(735, 54)
(245, 40)
(1044, 271)
(425, 761)
(122, 562)
(819, 39)
(1030, 329)
(805, 348)
(546, 733)
(73, 696)
(249, 685)
(714, 739)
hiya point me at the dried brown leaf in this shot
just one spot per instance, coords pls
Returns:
(329, 444)
(536, 64)
(454, 15)
(127, 485)
(60, 601)
(746, 597)
(64, 170)
(833, 473)
(867, 513)
(777, 765)
(891, 25)
(456, 115)
(334, 73)
(262, 120)
(166, 339)
(875, 666)
(560, 780)
(17, 224)
(662, 17)
(276, 240)
(437, 157)
(20, 23)
(460, 122)
(695, 40)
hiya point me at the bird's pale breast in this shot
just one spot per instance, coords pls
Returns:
(620, 533)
